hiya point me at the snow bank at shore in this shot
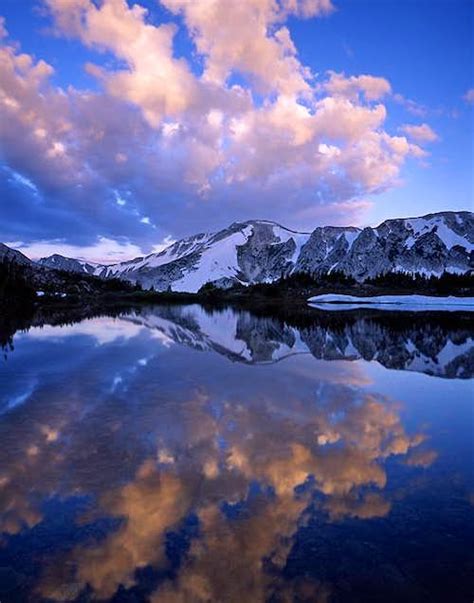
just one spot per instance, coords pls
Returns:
(334, 301)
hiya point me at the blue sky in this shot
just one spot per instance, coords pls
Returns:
(308, 112)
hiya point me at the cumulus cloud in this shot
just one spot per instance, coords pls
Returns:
(166, 147)
(422, 133)
(249, 37)
(372, 87)
(153, 78)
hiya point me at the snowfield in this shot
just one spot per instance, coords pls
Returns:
(414, 302)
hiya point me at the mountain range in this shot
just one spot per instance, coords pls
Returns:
(261, 251)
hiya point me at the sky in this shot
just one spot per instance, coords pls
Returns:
(127, 125)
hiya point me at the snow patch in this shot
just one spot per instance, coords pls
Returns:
(421, 226)
(334, 301)
(217, 261)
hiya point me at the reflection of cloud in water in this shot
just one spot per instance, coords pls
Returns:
(183, 433)
(228, 562)
(17, 400)
(230, 558)
(103, 330)
(421, 458)
(151, 504)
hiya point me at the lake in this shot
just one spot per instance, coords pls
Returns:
(181, 454)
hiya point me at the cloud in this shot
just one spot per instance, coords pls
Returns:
(421, 458)
(171, 145)
(332, 435)
(373, 88)
(105, 250)
(152, 78)
(59, 143)
(422, 133)
(410, 105)
(469, 96)
(103, 331)
(248, 37)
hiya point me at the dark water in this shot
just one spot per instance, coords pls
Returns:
(174, 455)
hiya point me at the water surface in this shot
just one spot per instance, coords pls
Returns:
(177, 455)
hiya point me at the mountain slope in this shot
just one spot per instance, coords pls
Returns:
(59, 262)
(21, 277)
(263, 251)
(7, 254)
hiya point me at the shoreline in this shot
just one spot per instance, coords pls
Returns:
(256, 298)
(413, 301)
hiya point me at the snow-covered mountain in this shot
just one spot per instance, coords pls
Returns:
(263, 251)
(426, 245)
(46, 277)
(59, 262)
(246, 252)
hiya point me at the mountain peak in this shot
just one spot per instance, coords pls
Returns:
(7, 253)
(61, 262)
(262, 222)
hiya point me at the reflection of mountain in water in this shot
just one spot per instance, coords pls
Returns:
(245, 454)
(154, 473)
(435, 344)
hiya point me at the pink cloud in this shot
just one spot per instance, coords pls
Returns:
(373, 88)
(469, 96)
(103, 251)
(237, 36)
(173, 143)
(421, 133)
